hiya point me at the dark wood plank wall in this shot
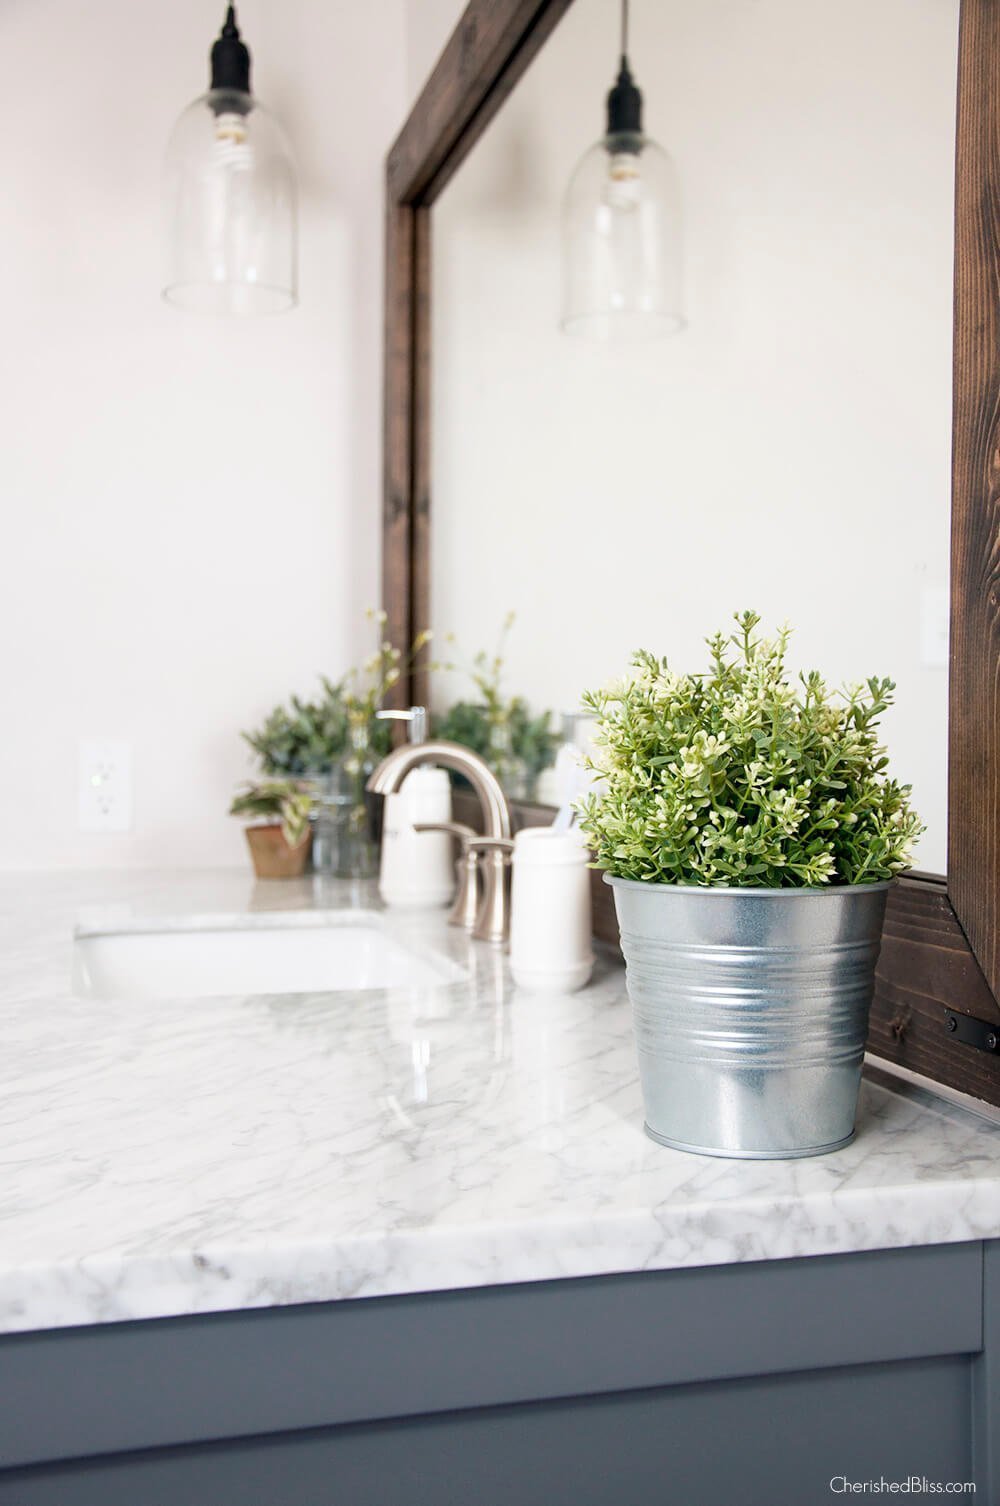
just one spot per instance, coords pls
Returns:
(926, 971)
(941, 949)
(974, 691)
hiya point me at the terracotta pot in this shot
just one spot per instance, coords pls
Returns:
(272, 856)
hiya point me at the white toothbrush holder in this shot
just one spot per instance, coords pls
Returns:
(550, 922)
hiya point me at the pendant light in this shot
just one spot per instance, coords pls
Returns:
(230, 197)
(621, 228)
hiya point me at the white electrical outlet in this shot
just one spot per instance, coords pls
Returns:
(105, 786)
(935, 625)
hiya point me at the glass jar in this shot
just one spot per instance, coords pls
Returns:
(511, 770)
(342, 844)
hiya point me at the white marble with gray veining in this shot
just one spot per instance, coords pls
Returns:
(161, 1159)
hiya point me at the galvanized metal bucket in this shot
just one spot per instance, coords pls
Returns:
(750, 1009)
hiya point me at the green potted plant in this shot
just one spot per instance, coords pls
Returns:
(750, 830)
(304, 737)
(327, 741)
(279, 834)
(516, 743)
(333, 742)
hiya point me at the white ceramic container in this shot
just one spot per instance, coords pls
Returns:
(550, 924)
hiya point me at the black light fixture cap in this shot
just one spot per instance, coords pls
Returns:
(231, 58)
(625, 105)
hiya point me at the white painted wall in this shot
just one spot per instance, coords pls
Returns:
(791, 450)
(191, 507)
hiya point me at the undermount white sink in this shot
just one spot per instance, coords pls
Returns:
(215, 958)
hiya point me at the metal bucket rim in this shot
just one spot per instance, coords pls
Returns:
(830, 891)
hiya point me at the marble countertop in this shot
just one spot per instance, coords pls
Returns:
(163, 1158)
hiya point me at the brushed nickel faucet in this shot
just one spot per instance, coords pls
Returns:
(491, 918)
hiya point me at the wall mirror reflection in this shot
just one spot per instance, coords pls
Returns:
(790, 449)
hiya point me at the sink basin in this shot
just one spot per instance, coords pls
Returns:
(222, 956)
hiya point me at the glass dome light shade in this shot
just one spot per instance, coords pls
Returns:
(621, 242)
(231, 232)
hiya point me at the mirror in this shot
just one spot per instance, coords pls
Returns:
(791, 449)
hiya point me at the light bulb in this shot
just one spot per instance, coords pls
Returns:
(624, 185)
(621, 245)
(230, 197)
(233, 150)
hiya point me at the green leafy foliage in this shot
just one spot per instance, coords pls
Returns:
(501, 729)
(532, 741)
(466, 723)
(305, 735)
(313, 736)
(277, 799)
(742, 777)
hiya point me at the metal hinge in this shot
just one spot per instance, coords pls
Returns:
(972, 1032)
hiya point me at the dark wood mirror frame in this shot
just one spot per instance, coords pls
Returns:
(939, 971)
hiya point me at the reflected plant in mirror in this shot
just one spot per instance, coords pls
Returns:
(743, 777)
(516, 742)
(334, 742)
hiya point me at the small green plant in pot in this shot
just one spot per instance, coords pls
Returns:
(332, 742)
(279, 834)
(516, 743)
(750, 829)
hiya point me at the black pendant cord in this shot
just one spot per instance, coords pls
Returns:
(231, 58)
(625, 100)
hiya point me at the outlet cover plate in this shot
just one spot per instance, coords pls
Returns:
(105, 785)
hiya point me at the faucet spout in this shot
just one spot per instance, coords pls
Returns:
(394, 768)
(491, 922)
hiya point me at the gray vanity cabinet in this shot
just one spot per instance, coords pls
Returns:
(740, 1385)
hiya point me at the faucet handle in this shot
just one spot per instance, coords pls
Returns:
(416, 717)
(457, 829)
(465, 911)
(493, 918)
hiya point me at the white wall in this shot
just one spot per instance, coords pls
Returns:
(789, 451)
(191, 507)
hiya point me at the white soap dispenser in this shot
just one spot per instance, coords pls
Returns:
(416, 870)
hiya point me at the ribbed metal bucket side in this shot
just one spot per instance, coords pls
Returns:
(750, 1010)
